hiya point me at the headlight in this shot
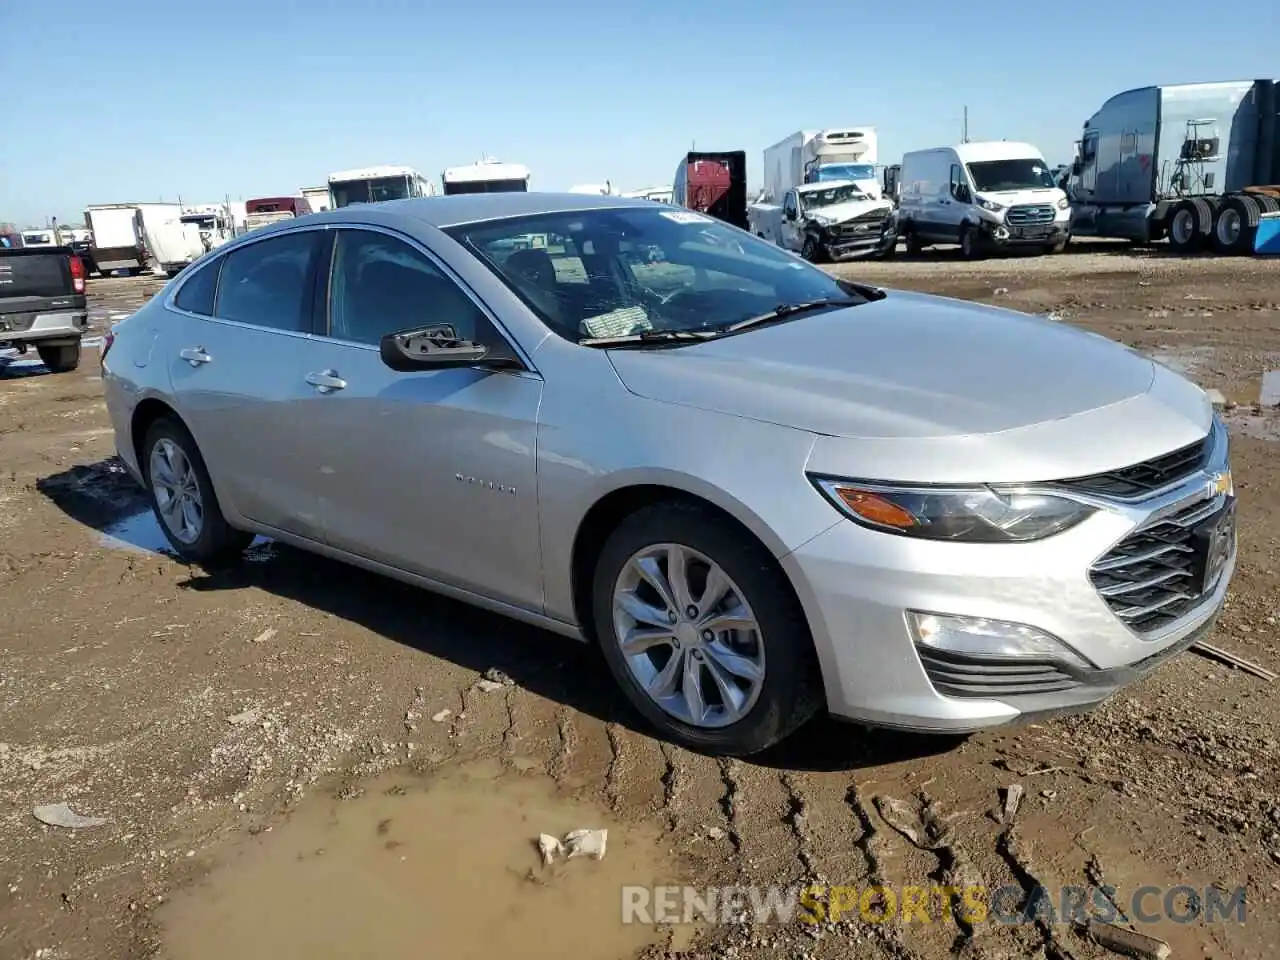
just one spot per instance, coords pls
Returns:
(1064, 203)
(961, 514)
(820, 220)
(991, 205)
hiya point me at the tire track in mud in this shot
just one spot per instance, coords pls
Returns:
(762, 822)
(532, 740)
(637, 775)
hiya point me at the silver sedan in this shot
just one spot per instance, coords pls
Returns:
(761, 490)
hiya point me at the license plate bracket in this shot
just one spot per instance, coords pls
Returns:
(1213, 540)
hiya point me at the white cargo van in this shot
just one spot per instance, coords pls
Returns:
(983, 196)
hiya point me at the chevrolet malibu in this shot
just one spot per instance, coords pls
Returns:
(761, 490)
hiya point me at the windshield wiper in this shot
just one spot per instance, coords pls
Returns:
(784, 310)
(648, 337)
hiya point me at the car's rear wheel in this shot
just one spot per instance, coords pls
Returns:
(183, 498)
(59, 357)
(702, 633)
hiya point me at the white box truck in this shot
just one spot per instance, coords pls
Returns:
(117, 242)
(982, 196)
(822, 197)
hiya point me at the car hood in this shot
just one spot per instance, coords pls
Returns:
(918, 368)
(840, 212)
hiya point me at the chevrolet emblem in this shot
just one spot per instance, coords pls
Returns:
(1220, 483)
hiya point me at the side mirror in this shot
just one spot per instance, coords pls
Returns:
(789, 214)
(1077, 168)
(435, 347)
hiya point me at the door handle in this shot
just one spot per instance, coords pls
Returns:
(326, 381)
(195, 356)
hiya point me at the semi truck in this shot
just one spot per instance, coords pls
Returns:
(714, 183)
(1198, 163)
(376, 184)
(489, 175)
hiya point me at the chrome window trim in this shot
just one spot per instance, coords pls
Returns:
(170, 300)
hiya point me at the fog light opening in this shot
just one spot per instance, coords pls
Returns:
(981, 638)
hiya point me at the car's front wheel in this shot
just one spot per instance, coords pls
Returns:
(183, 498)
(702, 633)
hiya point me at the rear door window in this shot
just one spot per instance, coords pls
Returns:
(197, 292)
(268, 283)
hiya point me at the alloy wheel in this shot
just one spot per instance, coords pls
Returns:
(177, 491)
(688, 635)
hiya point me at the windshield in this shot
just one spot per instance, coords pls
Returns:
(846, 171)
(991, 176)
(487, 186)
(624, 272)
(369, 191)
(814, 199)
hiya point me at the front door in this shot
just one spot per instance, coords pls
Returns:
(237, 376)
(792, 238)
(432, 472)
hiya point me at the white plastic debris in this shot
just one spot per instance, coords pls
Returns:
(265, 635)
(550, 848)
(252, 715)
(488, 686)
(585, 843)
(61, 815)
(442, 716)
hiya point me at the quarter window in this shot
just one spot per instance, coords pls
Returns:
(381, 285)
(197, 291)
(266, 283)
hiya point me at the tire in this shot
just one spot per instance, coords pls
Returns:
(1267, 203)
(1058, 247)
(1234, 226)
(811, 249)
(789, 689)
(970, 243)
(1187, 229)
(59, 357)
(215, 541)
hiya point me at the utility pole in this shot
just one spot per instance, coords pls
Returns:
(964, 135)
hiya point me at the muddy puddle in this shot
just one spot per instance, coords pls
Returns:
(445, 866)
(140, 532)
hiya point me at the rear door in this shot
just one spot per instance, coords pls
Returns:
(34, 281)
(237, 363)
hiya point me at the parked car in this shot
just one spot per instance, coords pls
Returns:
(762, 490)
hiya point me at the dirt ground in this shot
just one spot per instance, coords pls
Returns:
(285, 757)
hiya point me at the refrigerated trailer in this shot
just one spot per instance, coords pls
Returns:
(1198, 163)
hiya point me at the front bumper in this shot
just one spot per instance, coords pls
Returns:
(1037, 235)
(871, 243)
(856, 586)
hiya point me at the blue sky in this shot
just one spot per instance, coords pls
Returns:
(111, 103)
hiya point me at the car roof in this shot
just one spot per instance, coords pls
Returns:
(472, 207)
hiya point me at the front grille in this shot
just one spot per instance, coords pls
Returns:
(955, 675)
(1029, 214)
(1146, 477)
(865, 224)
(1148, 579)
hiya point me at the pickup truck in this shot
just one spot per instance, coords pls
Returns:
(42, 304)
